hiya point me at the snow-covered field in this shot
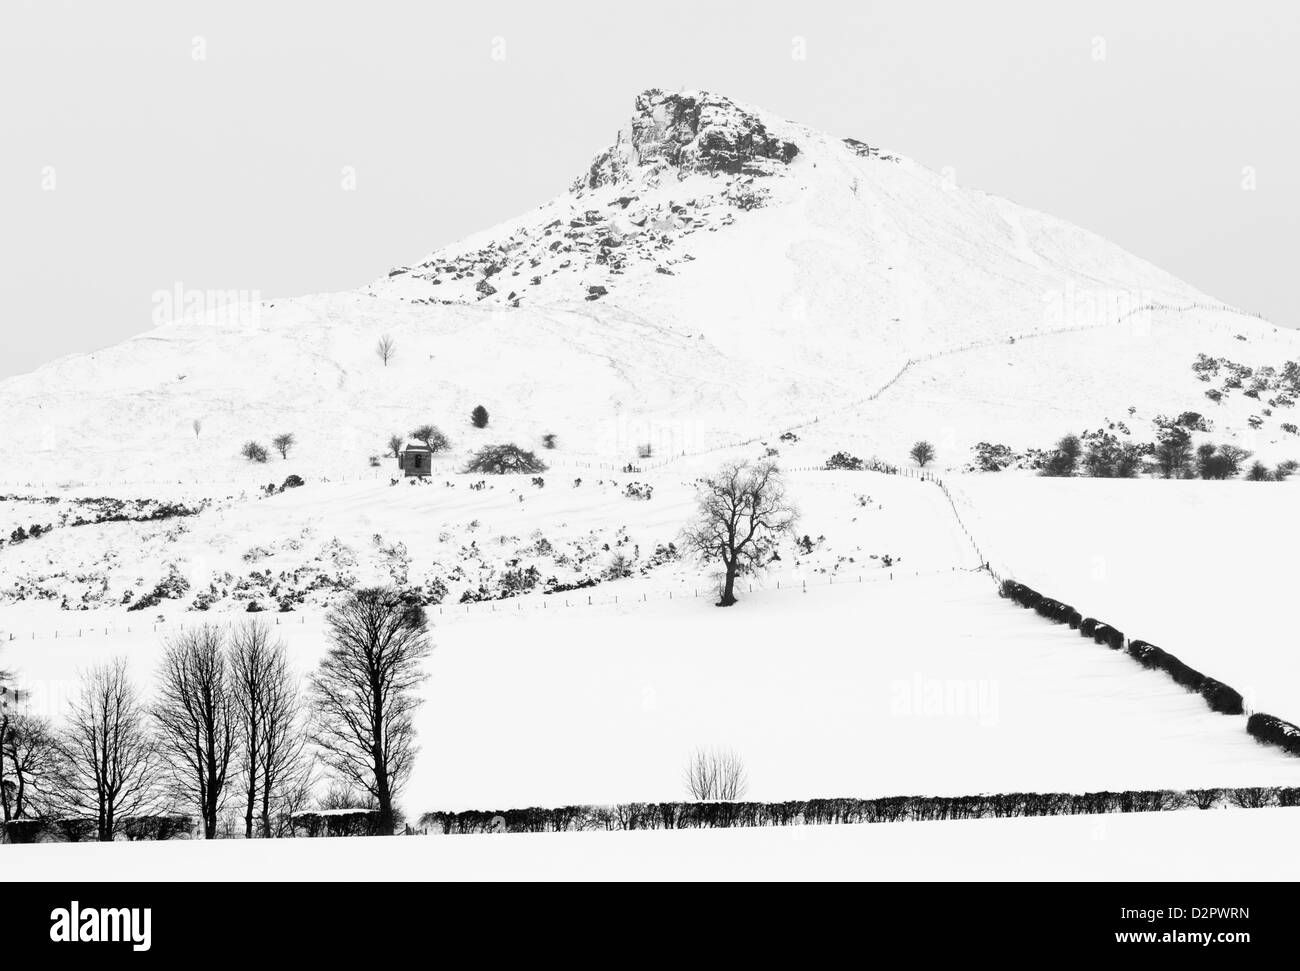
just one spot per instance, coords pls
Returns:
(1257, 844)
(674, 310)
(926, 683)
(1201, 569)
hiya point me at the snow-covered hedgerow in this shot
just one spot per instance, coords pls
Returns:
(723, 815)
(1218, 696)
(1274, 731)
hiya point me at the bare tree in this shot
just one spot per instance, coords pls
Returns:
(395, 443)
(386, 348)
(8, 695)
(110, 762)
(742, 512)
(716, 775)
(340, 796)
(283, 443)
(432, 436)
(363, 694)
(922, 453)
(270, 740)
(196, 717)
(29, 746)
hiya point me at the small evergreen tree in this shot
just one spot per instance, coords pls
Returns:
(479, 417)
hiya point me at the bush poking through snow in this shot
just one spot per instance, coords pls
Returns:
(254, 452)
(844, 461)
(172, 587)
(1274, 731)
(505, 460)
(479, 417)
(1064, 459)
(549, 440)
(1221, 698)
(1152, 657)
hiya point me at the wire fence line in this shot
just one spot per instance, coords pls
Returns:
(527, 603)
(71, 633)
(566, 599)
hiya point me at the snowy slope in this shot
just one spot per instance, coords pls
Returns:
(717, 274)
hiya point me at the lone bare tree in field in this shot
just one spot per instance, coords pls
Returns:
(386, 348)
(270, 742)
(742, 512)
(363, 694)
(922, 453)
(110, 762)
(716, 775)
(283, 443)
(196, 717)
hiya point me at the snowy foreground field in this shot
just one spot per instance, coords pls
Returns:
(1260, 844)
(926, 683)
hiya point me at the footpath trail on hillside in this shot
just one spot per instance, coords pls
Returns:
(854, 407)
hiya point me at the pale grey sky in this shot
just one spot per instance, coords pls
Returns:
(129, 165)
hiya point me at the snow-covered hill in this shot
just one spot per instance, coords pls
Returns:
(717, 274)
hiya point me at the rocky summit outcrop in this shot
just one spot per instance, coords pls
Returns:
(693, 132)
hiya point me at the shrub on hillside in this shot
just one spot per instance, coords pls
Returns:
(293, 482)
(990, 457)
(1221, 698)
(1153, 658)
(1105, 634)
(845, 461)
(505, 460)
(1064, 459)
(479, 417)
(254, 452)
(1274, 731)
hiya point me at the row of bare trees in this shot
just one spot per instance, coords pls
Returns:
(229, 727)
